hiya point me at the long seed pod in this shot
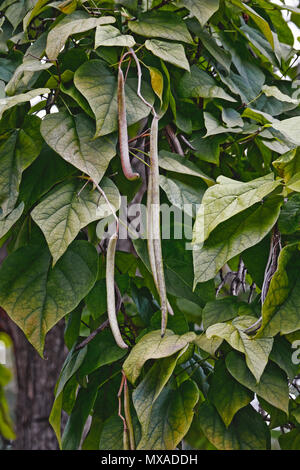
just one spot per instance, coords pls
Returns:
(123, 134)
(155, 223)
(110, 289)
(150, 239)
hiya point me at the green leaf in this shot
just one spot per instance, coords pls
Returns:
(174, 162)
(248, 431)
(234, 236)
(9, 102)
(228, 198)
(290, 128)
(201, 9)
(181, 195)
(256, 351)
(99, 86)
(208, 345)
(221, 310)
(111, 36)
(68, 208)
(147, 392)
(273, 386)
(290, 440)
(199, 84)
(161, 24)
(228, 395)
(289, 219)
(46, 171)
(274, 91)
(84, 403)
(214, 126)
(16, 154)
(288, 164)
(35, 296)
(175, 407)
(72, 138)
(168, 51)
(9, 221)
(281, 355)
(77, 22)
(294, 183)
(153, 346)
(280, 310)
(101, 350)
(261, 22)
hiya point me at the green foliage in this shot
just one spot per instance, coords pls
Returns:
(221, 76)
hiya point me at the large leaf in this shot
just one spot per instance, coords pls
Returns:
(181, 195)
(8, 222)
(101, 350)
(16, 154)
(257, 351)
(170, 52)
(233, 237)
(228, 395)
(84, 403)
(289, 128)
(9, 102)
(199, 84)
(68, 208)
(226, 199)
(248, 431)
(161, 24)
(46, 171)
(201, 9)
(147, 392)
(153, 346)
(77, 22)
(35, 296)
(98, 85)
(174, 407)
(273, 386)
(261, 22)
(111, 36)
(72, 138)
(289, 219)
(221, 310)
(281, 308)
(174, 162)
(290, 440)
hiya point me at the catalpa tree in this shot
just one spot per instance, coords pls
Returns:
(149, 193)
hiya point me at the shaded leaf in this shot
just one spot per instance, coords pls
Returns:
(72, 138)
(68, 208)
(35, 296)
(272, 387)
(76, 22)
(99, 86)
(153, 346)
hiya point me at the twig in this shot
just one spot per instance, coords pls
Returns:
(174, 140)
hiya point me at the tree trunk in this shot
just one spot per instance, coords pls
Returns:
(36, 380)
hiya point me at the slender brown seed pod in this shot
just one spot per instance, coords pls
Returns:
(155, 223)
(150, 240)
(110, 289)
(123, 134)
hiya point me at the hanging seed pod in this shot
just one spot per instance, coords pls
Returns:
(123, 134)
(110, 290)
(150, 240)
(155, 223)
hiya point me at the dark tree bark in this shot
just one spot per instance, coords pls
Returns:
(36, 378)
